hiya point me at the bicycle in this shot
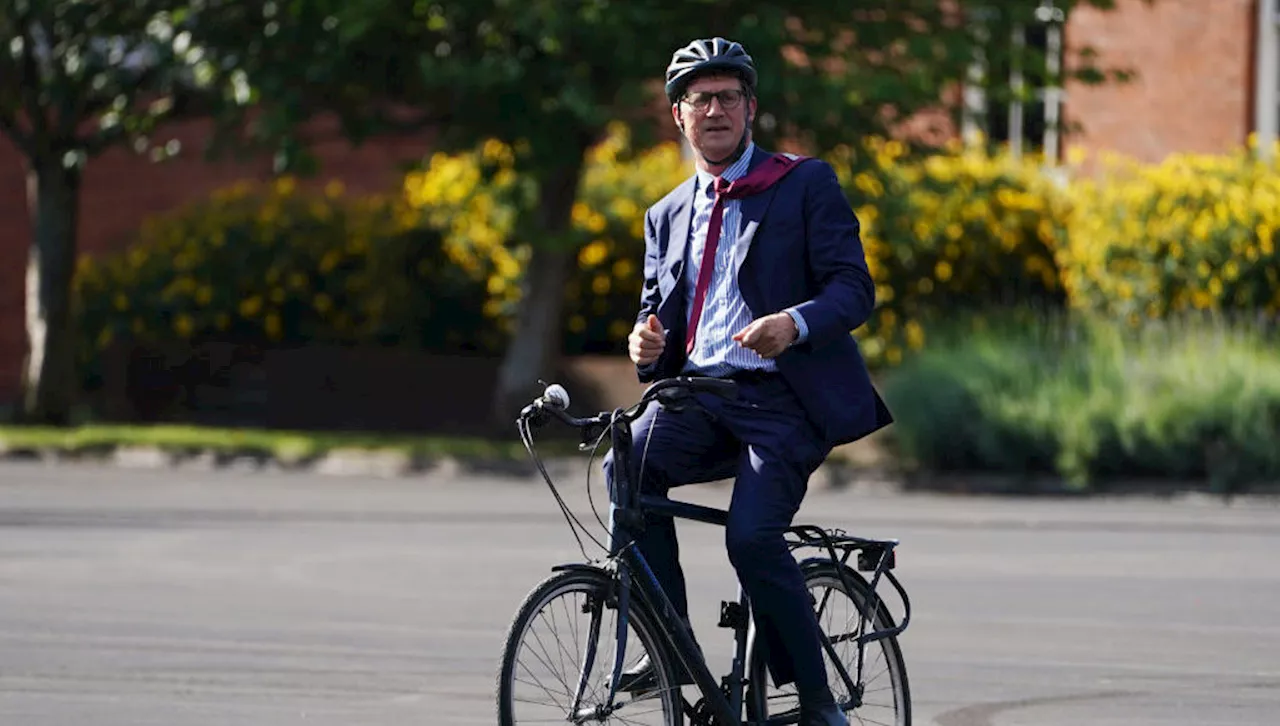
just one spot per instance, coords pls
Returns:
(623, 589)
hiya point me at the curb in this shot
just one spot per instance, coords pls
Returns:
(834, 475)
(388, 464)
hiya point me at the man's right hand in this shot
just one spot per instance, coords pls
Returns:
(647, 341)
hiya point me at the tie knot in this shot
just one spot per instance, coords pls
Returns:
(720, 185)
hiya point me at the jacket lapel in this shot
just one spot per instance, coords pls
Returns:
(752, 210)
(681, 218)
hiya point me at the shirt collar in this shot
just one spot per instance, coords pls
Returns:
(735, 170)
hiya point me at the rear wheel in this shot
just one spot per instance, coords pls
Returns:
(881, 696)
(562, 643)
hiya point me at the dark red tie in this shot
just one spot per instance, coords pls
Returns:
(708, 261)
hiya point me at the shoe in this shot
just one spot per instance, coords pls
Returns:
(640, 677)
(825, 716)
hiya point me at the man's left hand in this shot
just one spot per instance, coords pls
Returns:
(768, 336)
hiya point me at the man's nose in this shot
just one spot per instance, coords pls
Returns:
(713, 106)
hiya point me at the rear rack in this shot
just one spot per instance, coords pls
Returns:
(874, 555)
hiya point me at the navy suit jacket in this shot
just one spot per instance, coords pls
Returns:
(798, 245)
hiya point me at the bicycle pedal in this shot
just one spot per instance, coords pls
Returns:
(732, 615)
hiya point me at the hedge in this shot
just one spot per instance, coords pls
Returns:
(1093, 401)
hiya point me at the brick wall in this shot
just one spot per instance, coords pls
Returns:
(120, 189)
(1194, 60)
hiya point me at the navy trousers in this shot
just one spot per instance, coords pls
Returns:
(765, 442)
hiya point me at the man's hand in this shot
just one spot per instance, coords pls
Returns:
(647, 341)
(768, 336)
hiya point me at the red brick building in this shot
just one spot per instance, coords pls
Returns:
(1208, 77)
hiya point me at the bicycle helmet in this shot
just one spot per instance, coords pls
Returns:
(708, 54)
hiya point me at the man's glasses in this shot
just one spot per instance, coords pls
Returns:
(701, 101)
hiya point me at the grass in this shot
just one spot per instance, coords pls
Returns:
(1091, 401)
(284, 445)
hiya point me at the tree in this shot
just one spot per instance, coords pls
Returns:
(82, 77)
(548, 75)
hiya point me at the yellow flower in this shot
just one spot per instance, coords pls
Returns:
(593, 254)
(915, 335)
(250, 307)
(183, 326)
(942, 271)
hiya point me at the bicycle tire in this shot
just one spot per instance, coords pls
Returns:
(590, 583)
(777, 707)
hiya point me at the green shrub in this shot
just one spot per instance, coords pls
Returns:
(1093, 402)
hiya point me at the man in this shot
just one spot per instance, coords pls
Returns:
(770, 305)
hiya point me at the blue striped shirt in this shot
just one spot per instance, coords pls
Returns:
(724, 312)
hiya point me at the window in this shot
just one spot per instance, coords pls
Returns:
(1013, 94)
(1267, 90)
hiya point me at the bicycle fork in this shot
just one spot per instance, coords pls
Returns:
(576, 713)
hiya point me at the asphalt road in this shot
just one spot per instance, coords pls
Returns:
(185, 598)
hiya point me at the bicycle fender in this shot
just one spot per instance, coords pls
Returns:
(580, 567)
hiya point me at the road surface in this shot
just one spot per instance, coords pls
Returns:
(195, 598)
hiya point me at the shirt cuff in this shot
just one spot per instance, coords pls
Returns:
(803, 329)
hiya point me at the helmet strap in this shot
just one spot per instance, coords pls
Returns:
(737, 153)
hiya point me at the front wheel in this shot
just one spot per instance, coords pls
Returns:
(559, 656)
(843, 614)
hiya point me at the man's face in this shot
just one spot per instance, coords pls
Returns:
(714, 131)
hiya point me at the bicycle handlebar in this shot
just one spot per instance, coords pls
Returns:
(555, 400)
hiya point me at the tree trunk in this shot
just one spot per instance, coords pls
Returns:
(53, 191)
(535, 346)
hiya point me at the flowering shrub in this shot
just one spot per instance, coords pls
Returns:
(275, 266)
(958, 231)
(472, 196)
(1194, 233)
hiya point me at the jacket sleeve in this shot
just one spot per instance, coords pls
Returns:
(845, 295)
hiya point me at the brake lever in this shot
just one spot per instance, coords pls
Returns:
(591, 433)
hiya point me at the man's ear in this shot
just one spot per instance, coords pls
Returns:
(675, 115)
